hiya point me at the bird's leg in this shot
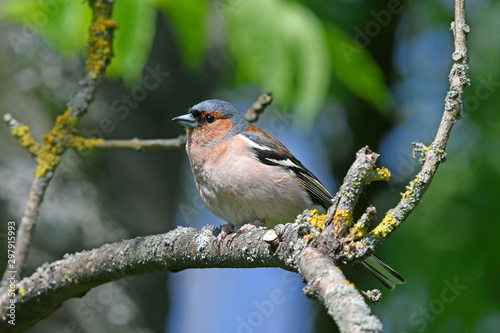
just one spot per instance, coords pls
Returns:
(249, 226)
(227, 228)
(246, 227)
(224, 231)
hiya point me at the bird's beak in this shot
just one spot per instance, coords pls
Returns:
(186, 120)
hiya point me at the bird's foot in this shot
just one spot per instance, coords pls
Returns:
(227, 228)
(224, 231)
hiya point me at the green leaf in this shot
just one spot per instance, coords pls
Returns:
(280, 46)
(355, 67)
(133, 39)
(64, 26)
(189, 22)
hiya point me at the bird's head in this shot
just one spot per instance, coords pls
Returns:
(212, 121)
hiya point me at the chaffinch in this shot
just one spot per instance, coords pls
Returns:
(248, 178)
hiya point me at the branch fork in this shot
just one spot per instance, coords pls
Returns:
(316, 258)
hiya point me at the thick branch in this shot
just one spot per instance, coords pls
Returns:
(327, 283)
(340, 215)
(42, 293)
(39, 295)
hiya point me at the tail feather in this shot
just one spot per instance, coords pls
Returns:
(386, 275)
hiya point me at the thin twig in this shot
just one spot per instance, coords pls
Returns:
(137, 144)
(23, 135)
(29, 220)
(251, 115)
(434, 154)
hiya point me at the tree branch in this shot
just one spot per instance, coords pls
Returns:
(327, 283)
(42, 293)
(433, 155)
(23, 135)
(137, 144)
(339, 242)
(251, 115)
(49, 154)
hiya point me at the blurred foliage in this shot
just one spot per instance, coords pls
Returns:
(65, 27)
(133, 39)
(276, 45)
(356, 68)
(281, 45)
(189, 19)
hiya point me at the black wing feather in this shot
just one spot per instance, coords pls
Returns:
(272, 152)
(277, 153)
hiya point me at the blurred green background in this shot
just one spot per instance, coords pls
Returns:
(344, 74)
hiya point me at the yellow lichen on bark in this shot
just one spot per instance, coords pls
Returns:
(385, 227)
(381, 174)
(81, 143)
(56, 142)
(317, 221)
(67, 276)
(100, 47)
(25, 139)
(358, 230)
(341, 220)
(409, 188)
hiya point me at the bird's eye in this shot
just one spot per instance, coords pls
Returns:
(209, 118)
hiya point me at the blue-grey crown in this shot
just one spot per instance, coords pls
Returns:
(226, 108)
(228, 111)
